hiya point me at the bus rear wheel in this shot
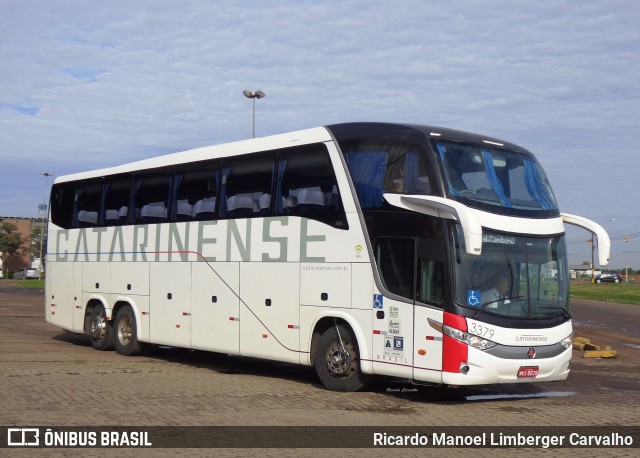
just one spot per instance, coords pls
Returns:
(125, 333)
(99, 329)
(337, 360)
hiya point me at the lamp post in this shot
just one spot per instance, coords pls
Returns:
(593, 265)
(44, 214)
(253, 96)
(626, 261)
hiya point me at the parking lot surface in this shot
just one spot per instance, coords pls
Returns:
(53, 378)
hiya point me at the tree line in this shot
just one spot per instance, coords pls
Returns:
(12, 243)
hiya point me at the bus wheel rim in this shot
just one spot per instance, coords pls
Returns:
(339, 361)
(124, 331)
(97, 327)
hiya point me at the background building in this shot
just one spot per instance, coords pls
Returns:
(23, 258)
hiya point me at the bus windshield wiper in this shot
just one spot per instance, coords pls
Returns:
(484, 306)
(564, 311)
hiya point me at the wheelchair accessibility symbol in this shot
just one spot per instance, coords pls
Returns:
(377, 301)
(473, 297)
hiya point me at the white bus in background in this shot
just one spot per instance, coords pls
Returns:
(361, 249)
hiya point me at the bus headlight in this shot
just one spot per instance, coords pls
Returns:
(469, 339)
(480, 343)
(567, 341)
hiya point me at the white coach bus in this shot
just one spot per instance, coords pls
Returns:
(361, 249)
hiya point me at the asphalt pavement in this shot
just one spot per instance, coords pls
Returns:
(49, 377)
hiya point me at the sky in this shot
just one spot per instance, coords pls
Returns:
(92, 84)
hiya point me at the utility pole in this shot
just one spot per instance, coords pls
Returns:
(593, 265)
(43, 216)
(626, 261)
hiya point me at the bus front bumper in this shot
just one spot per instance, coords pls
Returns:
(482, 368)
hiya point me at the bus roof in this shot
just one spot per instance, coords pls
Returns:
(414, 132)
(342, 131)
(301, 137)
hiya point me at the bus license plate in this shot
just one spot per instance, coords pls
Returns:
(528, 372)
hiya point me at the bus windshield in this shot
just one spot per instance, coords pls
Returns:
(494, 177)
(515, 276)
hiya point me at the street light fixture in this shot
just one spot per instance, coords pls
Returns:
(44, 214)
(253, 96)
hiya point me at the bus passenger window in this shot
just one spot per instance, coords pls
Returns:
(151, 198)
(62, 205)
(307, 186)
(116, 200)
(195, 192)
(246, 186)
(87, 204)
(378, 166)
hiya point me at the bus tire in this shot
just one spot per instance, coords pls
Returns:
(99, 329)
(125, 333)
(339, 371)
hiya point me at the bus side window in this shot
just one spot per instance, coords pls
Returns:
(307, 186)
(62, 204)
(151, 198)
(395, 260)
(431, 271)
(378, 166)
(431, 282)
(194, 192)
(117, 192)
(88, 197)
(246, 186)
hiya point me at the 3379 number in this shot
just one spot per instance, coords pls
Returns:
(481, 330)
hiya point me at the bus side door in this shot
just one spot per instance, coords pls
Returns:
(430, 288)
(392, 347)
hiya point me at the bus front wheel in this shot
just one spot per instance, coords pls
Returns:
(125, 338)
(99, 329)
(337, 360)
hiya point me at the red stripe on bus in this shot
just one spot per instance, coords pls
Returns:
(454, 352)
